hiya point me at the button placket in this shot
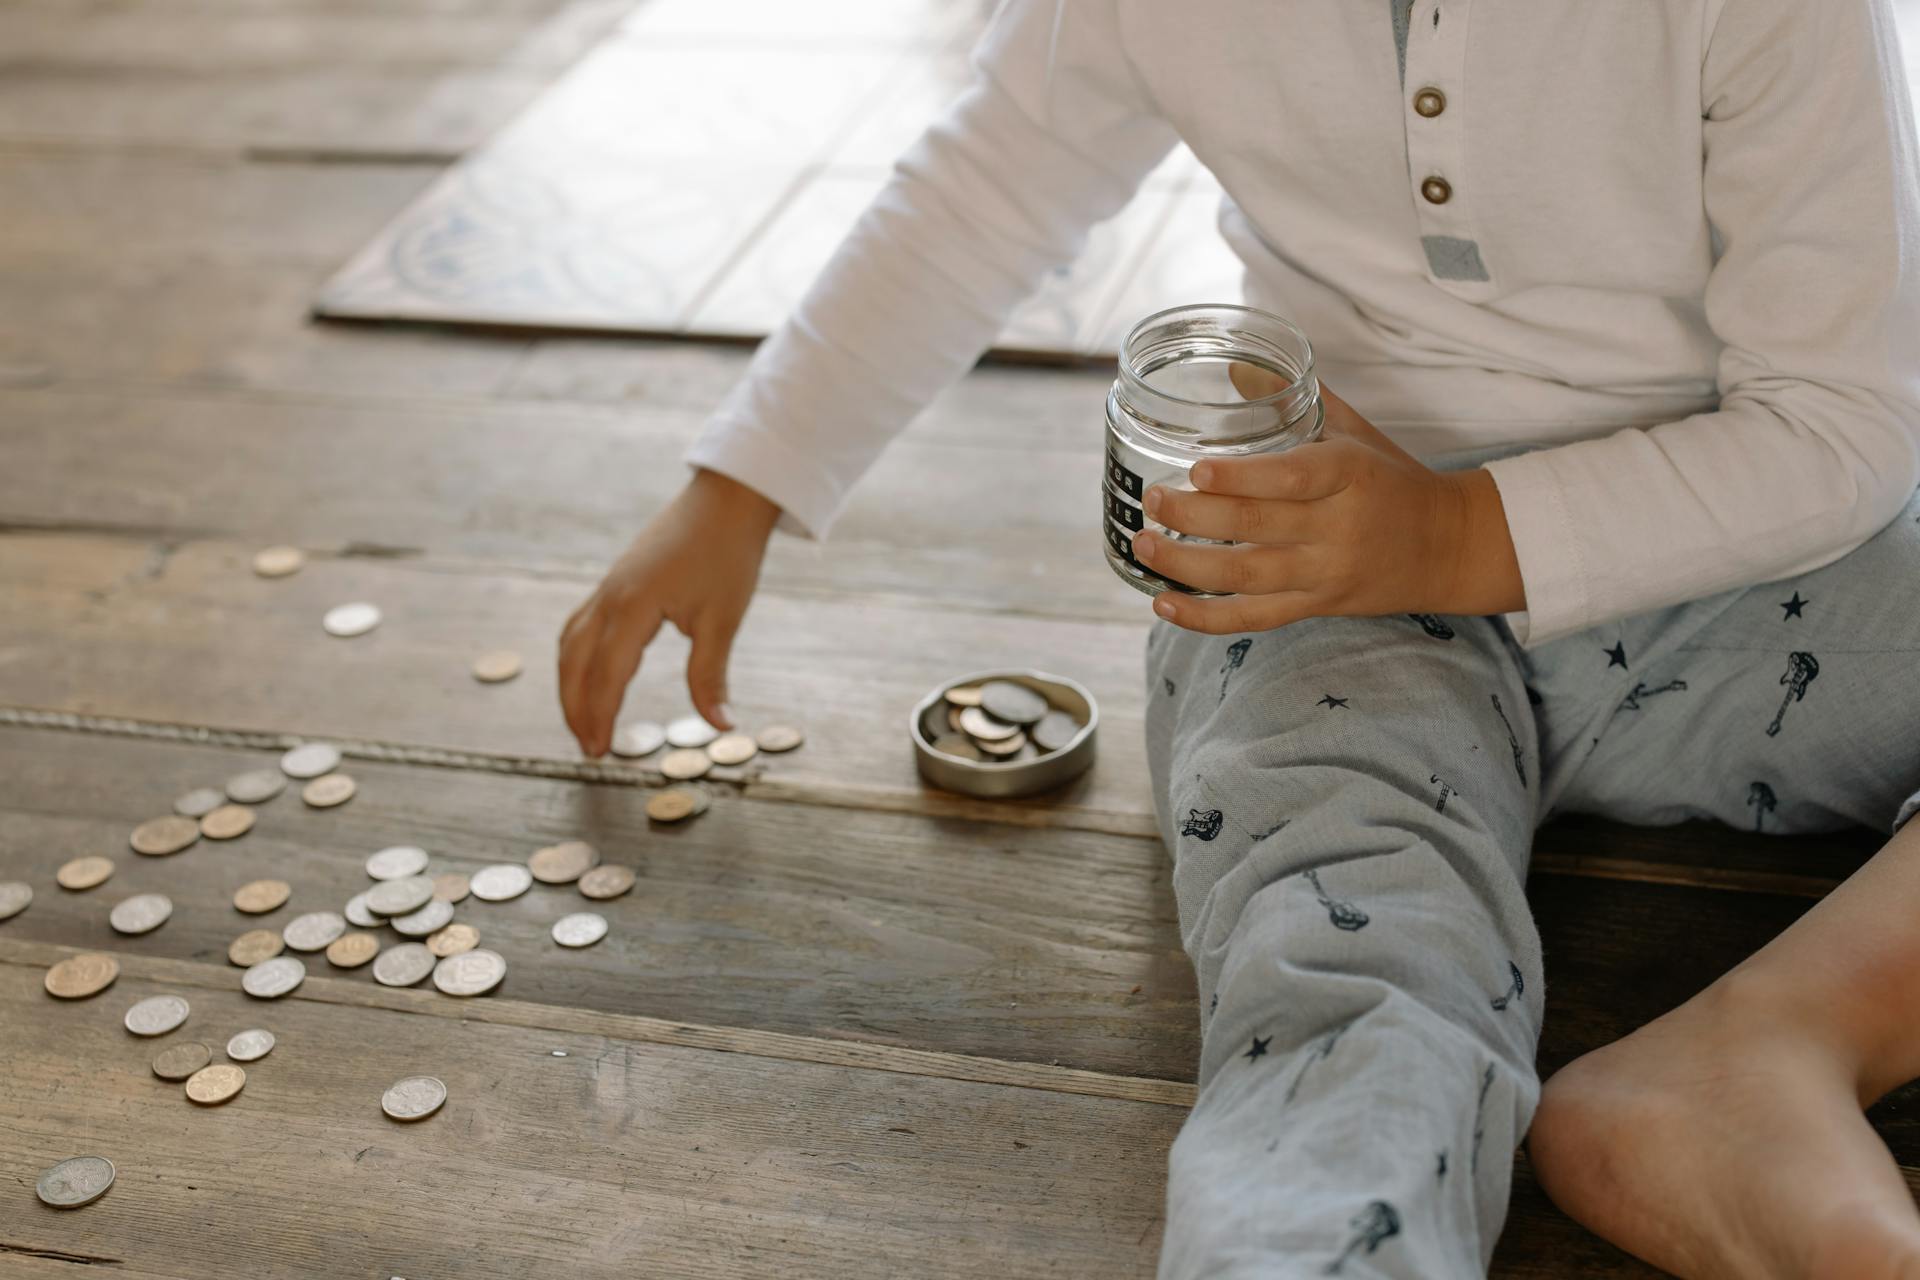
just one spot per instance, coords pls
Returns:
(1432, 98)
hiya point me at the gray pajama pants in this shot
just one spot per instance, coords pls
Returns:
(1349, 805)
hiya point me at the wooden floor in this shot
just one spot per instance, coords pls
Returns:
(843, 1026)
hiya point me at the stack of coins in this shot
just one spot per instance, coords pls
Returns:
(998, 721)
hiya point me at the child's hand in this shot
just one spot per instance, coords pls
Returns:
(694, 565)
(1348, 525)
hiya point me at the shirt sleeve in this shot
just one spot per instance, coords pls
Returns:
(1811, 190)
(1053, 135)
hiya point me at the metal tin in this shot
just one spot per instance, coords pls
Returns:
(1000, 780)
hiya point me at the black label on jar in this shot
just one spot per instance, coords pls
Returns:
(1122, 479)
(1125, 512)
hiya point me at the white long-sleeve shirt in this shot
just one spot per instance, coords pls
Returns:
(1679, 242)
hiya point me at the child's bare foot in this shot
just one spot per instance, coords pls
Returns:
(1722, 1142)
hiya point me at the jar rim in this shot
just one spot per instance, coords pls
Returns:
(1306, 346)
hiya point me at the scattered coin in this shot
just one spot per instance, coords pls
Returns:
(780, 737)
(253, 946)
(431, 918)
(690, 731)
(470, 973)
(957, 745)
(414, 1098)
(397, 897)
(84, 873)
(964, 695)
(452, 886)
(75, 1182)
(563, 863)
(257, 897)
(354, 619)
(271, 979)
(606, 881)
(199, 802)
(1014, 703)
(142, 913)
(14, 897)
(358, 914)
(247, 1046)
(581, 929)
(404, 965)
(499, 883)
(494, 667)
(397, 862)
(310, 760)
(674, 803)
(227, 822)
(641, 738)
(685, 763)
(77, 977)
(278, 562)
(158, 837)
(732, 748)
(454, 939)
(313, 931)
(329, 790)
(210, 1086)
(1055, 730)
(351, 950)
(178, 1061)
(156, 1015)
(255, 786)
(1002, 748)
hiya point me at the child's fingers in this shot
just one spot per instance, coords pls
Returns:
(1245, 569)
(616, 656)
(707, 670)
(577, 639)
(1312, 471)
(1226, 615)
(1229, 519)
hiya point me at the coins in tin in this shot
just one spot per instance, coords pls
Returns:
(606, 881)
(257, 897)
(83, 975)
(253, 946)
(497, 666)
(247, 1046)
(158, 837)
(1054, 731)
(156, 1015)
(779, 737)
(210, 1086)
(957, 745)
(351, 950)
(499, 883)
(414, 1098)
(313, 931)
(227, 822)
(142, 913)
(328, 790)
(84, 873)
(75, 1182)
(310, 760)
(396, 862)
(15, 895)
(640, 738)
(470, 973)
(278, 562)
(430, 918)
(271, 979)
(178, 1061)
(348, 620)
(255, 786)
(581, 929)
(199, 802)
(404, 965)
(563, 863)
(451, 886)
(1002, 748)
(963, 695)
(453, 939)
(398, 897)
(979, 725)
(1011, 702)
(732, 748)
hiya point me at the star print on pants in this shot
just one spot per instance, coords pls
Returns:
(1794, 606)
(1259, 1049)
(1331, 701)
(1616, 656)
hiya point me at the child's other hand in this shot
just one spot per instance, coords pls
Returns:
(694, 565)
(1350, 525)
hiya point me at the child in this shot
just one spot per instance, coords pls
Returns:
(1635, 290)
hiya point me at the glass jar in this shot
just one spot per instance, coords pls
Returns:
(1210, 380)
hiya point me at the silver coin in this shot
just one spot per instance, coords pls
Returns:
(142, 913)
(246, 1046)
(354, 619)
(414, 1098)
(256, 786)
(156, 1015)
(14, 897)
(310, 760)
(1015, 703)
(581, 929)
(313, 931)
(499, 883)
(976, 723)
(641, 738)
(690, 731)
(402, 966)
(428, 919)
(470, 973)
(1054, 731)
(199, 802)
(357, 914)
(181, 1059)
(397, 897)
(271, 979)
(75, 1182)
(396, 862)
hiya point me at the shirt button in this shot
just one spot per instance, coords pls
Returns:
(1429, 102)
(1436, 190)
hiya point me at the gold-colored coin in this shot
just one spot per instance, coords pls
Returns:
(351, 950)
(84, 873)
(328, 791)
(493, 668)
(453, 939)
(77, 977)
(685, 763)
(606, 881)
(178, 1061)
(964, 695)
(216, 1084)
(278, 562)
(733, 748)
(158, 837)
(672, 805)
(563, 863)
(1002, 748)
(451, 886)
(780, 737)
(255, 945)
(257, 897)
(227, 822)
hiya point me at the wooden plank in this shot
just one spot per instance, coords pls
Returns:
(619, 1158)
(1031, 945)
